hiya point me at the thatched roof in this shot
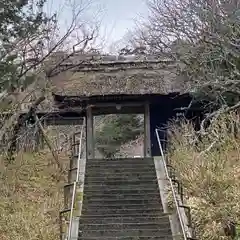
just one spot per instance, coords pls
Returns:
(117, 77)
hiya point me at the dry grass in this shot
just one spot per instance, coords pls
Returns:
(210, 172)
(31, 190)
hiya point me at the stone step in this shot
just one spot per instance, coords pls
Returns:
(119, 161)
(125, 226)
(149, 190)
(121, 182)
(123, 215)
(123, 202)
(120, 165)
(126, 233)
(121, 187)
(128, 238)
(122, 174)
(113, 170)
(116, 206)
(125, 219)
(119, 196)
(114, 211)
(110, 178)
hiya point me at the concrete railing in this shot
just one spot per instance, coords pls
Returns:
(179, 220)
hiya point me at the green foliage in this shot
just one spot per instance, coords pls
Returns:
(117, 130)
(23, 29)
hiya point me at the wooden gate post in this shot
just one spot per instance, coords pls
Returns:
(147, 138)
(90, 134)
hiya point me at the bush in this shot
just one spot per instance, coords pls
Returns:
(210, 172)
(31, 190)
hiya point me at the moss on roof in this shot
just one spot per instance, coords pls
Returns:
(139, 77)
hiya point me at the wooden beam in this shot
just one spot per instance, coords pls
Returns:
(118, 109)
(123, 104)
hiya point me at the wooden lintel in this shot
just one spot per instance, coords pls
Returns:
(118, 109)
(114, 104)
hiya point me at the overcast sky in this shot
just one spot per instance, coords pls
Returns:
(117, 16)
(120, 16)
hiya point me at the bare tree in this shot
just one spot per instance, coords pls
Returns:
(27, 51)
(202, 34)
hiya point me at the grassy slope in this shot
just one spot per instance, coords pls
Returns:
(31, 191)
(210, 172)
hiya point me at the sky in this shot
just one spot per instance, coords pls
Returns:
(116, 16)
(120, 16)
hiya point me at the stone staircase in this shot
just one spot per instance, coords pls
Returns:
(122, 201)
